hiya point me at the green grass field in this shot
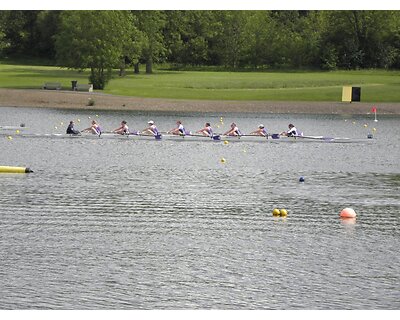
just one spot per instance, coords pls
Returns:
(376, 85)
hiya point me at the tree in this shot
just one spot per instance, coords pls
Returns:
(132, 50)
(47, 24)
(95, 40)
(19, 30)
(151, 24)
(361, 39)
(3, 41)
(232, 38)
(188, 36)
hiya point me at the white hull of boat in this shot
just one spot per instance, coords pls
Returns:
(244, 138)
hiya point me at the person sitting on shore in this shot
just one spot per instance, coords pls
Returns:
(233, 131)
(292, 132)
(94, 128)
(207, 130)
(71, 129)
(179, 130)
(123, 129)
(151, 129)
(261, 131)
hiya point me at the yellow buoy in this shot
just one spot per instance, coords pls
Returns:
(217, 126)
(9, 138)
(223, 160)
(276, 212)
(226, 142)
(283, 213)
(97, 115)
(17, 131)
(365, 125)
(79, 120)
(61, 123)
(244, 150)
(373, 129)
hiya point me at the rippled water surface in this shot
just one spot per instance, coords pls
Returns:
(107, 224)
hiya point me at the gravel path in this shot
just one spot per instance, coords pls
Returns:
(79, 100)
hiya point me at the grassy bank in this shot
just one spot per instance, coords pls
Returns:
(377, 85)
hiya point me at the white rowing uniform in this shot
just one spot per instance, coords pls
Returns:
(292, 132)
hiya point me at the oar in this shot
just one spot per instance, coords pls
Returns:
(85, 131)
(135, 133)
(268, 136)
(315, 138)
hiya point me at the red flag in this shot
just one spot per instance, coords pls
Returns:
(373, 109)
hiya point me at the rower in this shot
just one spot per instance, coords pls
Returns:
(233, 131)
(179, 130)
(261, 131)
(123, 129)
(292, 132)
(151, 129)
(94, 128)
(71, 129)
(207, 130)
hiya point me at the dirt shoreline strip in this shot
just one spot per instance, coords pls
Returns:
(79, 100)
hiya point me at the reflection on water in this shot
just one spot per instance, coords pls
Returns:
(165, 225)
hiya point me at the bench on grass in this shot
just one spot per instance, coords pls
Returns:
(52, 86)
(84, 87)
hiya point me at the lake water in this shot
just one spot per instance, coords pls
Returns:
(107, 224)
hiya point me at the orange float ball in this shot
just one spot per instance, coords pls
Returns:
(348, 213)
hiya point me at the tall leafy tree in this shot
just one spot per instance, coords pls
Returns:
(232, 38)
(19, 29)
(188, 36)
(360, 39)
(132, 50)
(46, 27)
(151, 24)
(3, 40)
(94, 39)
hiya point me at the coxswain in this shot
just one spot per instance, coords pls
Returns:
(123, 129)
(207, 130)
(233, 131)
(71, 129)
(261, 131)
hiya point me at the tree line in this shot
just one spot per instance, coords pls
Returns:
(230, 40)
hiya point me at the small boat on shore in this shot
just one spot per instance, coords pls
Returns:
(12, 128)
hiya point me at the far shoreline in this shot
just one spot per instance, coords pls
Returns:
(79, 100)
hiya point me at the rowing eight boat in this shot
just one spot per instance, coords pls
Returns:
(275, 138)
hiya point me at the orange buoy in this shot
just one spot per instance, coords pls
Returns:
(348, 213)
